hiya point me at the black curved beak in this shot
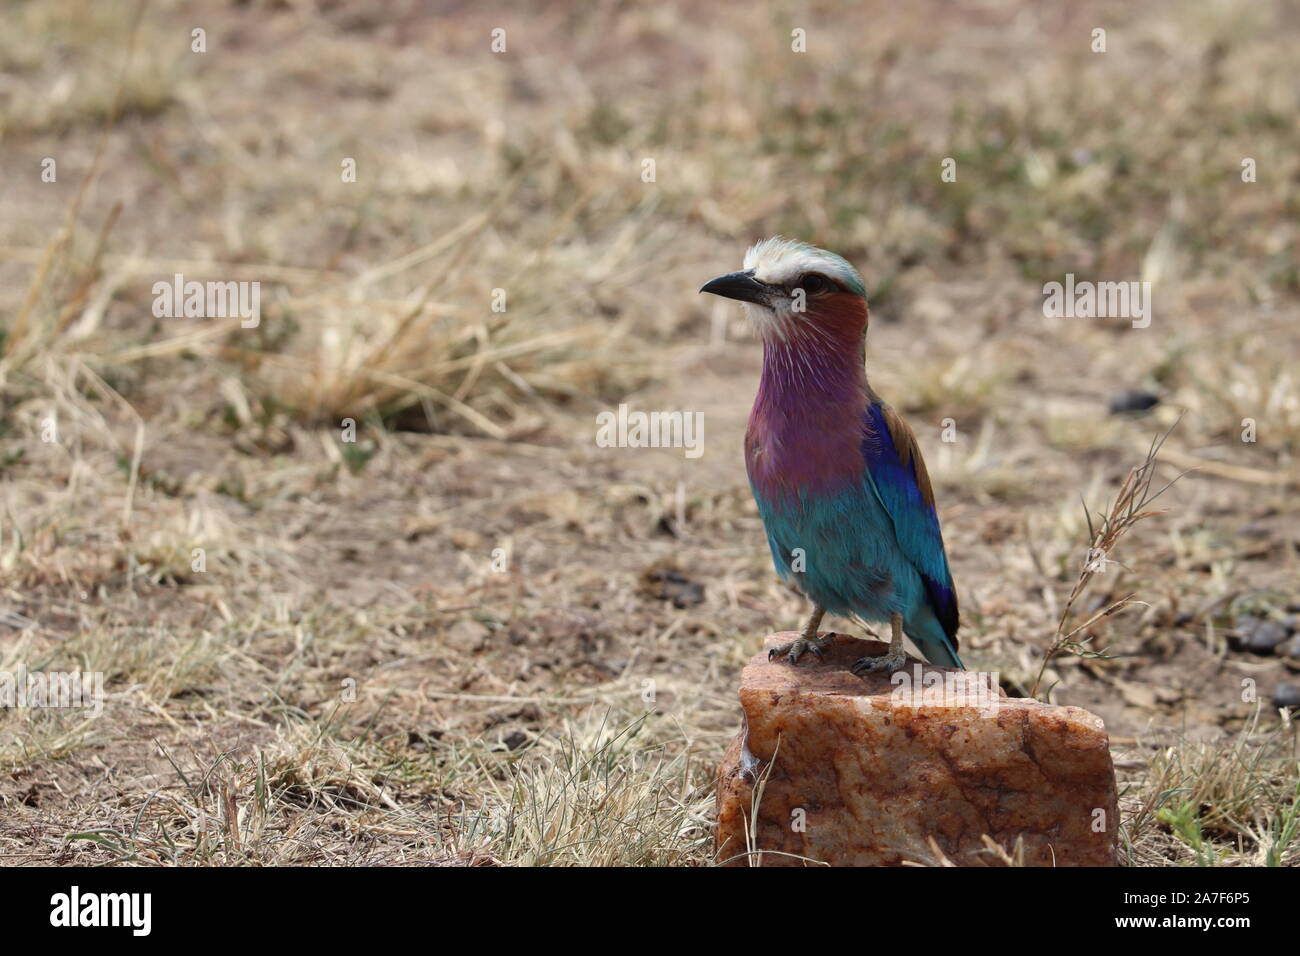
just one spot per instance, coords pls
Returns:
(739, 285)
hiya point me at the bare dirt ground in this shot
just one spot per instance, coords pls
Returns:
(473, 636)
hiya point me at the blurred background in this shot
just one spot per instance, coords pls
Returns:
(473, 636)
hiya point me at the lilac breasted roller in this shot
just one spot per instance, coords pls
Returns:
(840, 484)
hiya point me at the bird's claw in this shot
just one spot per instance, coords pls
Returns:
(796, 648)
(889, 663)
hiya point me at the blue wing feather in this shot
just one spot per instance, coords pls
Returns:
(906, 495)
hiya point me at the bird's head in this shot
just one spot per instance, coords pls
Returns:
(787, 286)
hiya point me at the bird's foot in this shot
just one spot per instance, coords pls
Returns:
(889, 662)
(796, 648)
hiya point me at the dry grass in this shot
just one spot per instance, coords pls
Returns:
(1129, 506)
(1219, 805)
(312, 652)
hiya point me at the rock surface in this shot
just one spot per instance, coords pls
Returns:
(881, 771)
(1259, 635)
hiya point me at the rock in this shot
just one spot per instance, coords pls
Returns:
(467, 636)
(1259, 635)
(1287, 695)
(857, 771)
(1132, 402)
(1289, 648)
(670, 584)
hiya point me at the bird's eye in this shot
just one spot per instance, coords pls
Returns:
(812, 283)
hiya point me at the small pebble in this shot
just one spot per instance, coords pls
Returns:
(677, 587)
(1256, 529)
(466, 636)
(1287, 695)
(1259, 635)
(1133, 401)
(1289, 648)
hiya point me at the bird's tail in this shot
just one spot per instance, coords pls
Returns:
(932, 641)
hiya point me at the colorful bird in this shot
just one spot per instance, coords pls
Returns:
(836, 472)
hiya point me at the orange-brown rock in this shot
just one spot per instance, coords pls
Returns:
(878, 771)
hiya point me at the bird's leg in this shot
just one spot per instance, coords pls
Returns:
(891, 661)
(806, 641)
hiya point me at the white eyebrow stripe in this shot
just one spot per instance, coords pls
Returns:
(780, 262)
